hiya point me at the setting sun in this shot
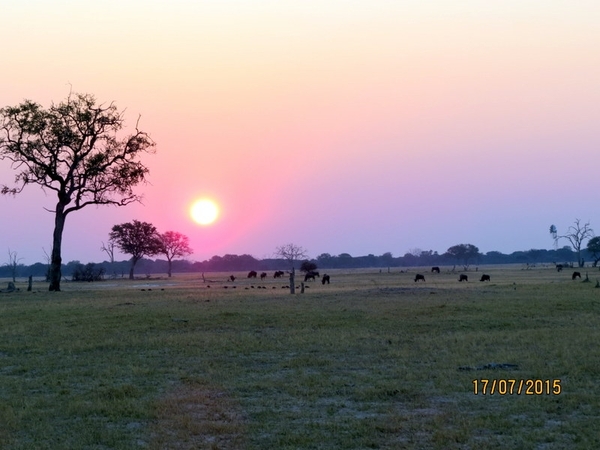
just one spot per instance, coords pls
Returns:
(204, 212)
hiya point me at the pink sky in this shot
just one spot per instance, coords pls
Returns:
(342, 126)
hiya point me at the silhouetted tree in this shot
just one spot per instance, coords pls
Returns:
(137, 239)
(13, 264)
(88, 273)
(325, 260)
(534, 255)
(576, 235)
(72, 149)
(308, 266)
(291, 253)
(109, 249)
(565, 253)
(173, 245)
(387, 259)
(593, 247)
(463, 252)
(345, 260)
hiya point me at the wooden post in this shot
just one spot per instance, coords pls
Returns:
(29, 284)
(292, 281)
(302, 287)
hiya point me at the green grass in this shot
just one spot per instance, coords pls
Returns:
(371, 361)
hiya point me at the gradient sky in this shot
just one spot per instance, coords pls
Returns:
(342, 126)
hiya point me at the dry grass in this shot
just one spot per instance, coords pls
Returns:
(196, 416)
(371, 361)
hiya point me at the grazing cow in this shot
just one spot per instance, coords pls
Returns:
(559, 267)
(576, 275)
(325, 279)
(231, 278)
(278, 274)
(485, 277)
(435, 269)
(419, 277)
(252, 274)
(463, 277)
(310, 275)
(263, 275)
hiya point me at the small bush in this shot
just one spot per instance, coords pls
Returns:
(89, 273)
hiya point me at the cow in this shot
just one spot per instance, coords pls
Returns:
(485, 277)
(263, 275)
(419, 277)
(559, 267)
(576, 275)
(310, 275)
(231, 278)
(252, 274)
(325, 279)
(463, 277)
(435, 269)
(278, 273)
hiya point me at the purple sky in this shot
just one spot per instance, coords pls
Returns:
(356, 127)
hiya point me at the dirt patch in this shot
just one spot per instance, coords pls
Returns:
(197, 416)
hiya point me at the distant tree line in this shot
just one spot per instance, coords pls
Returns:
(235, 263)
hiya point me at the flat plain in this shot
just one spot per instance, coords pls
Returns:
(373, 360)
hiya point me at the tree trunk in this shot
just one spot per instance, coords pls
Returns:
(134, 261)
(169, 269)
(55, 258)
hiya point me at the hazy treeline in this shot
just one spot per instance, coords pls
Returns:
(233, 263)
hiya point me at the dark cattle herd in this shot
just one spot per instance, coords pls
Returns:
(326, 279)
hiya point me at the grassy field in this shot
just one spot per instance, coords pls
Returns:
(373, 360)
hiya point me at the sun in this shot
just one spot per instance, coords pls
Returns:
(204, 211)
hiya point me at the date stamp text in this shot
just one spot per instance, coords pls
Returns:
(516, 387)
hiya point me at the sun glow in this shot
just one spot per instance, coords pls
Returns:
(204, 211)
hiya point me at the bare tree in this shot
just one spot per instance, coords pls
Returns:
(291, 253)
(576, 235)
(109, 249)
(174, 244)
(48, 264)
(72, 149)
(13, 264)
(137, 239)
